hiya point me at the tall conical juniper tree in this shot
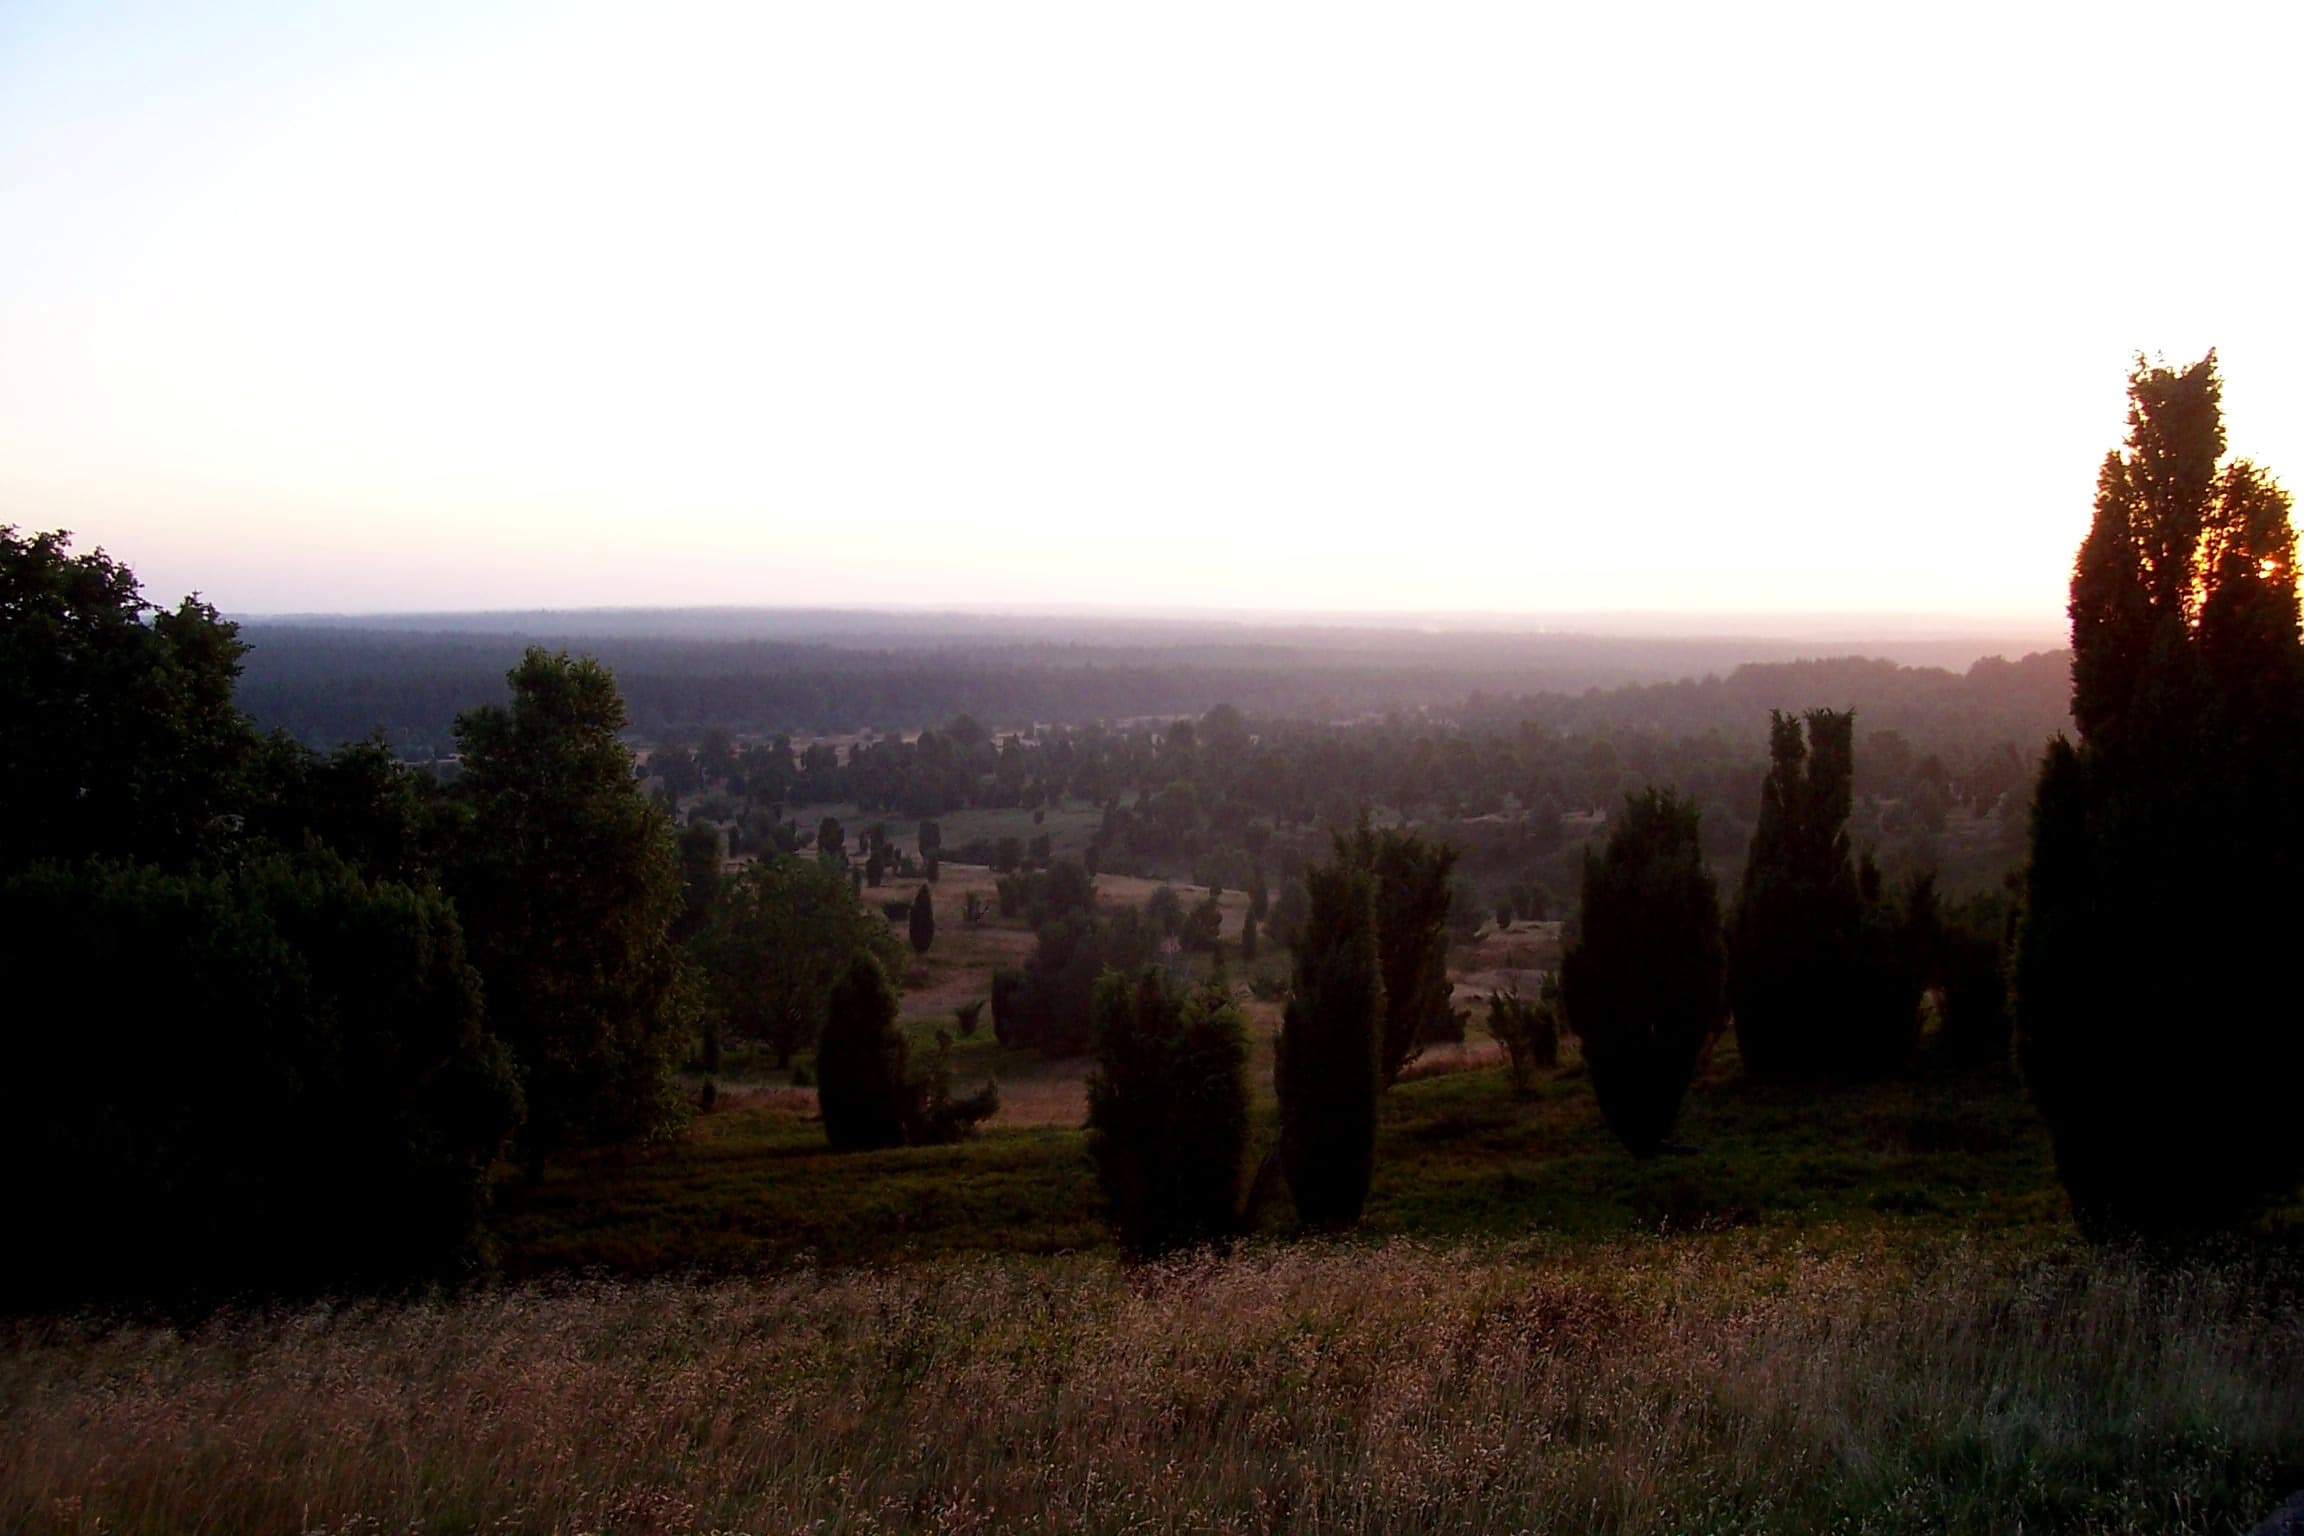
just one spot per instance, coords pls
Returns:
(1412, 875)
(1326, 1064)
(1167, 1110)
(861, 1061)
(2157, 1024)
(1642, 988)
(1815, 975)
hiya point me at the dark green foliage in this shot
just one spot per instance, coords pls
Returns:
(931, 840)
(708, 1050)
(1326, 1067)
(1167, 1111)
(1041, 895)
(783, 932)
(1164, 910)
(1643, 986)
(1465, 913)
(1204, 926)
(1973, 939)
(567, 881)
(967, 1016)
(701, 853)
(118, 734)
(1066, 886)
(1070, 951)
(861, 1080)
(1818, 977)
(922, 923)
(1007, 854)
(357, 801)
(1413, 895)
(1529, 1031)
(933, 1114)
(865, 1088)
(1288, 913)
(1248, 939)
(1007, 1005)
(2155, 1012)
(303, 1096)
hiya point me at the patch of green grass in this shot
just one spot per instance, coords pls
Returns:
(754, 1186)
(1935, 1156)
(1926, 1160)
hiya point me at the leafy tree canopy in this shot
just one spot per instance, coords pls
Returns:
(568, 883)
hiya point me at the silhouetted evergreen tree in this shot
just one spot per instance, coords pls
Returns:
(1326, 1066)
(1413, 899)
(1816, 972)
(1970, 971)
(2156, 1023)
(923, 923)
(1204, 926)
(1643, 987)
(1167, 1111)
(861, 1084)
(1007, 1005)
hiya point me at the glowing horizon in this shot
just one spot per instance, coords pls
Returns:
(1274, 310)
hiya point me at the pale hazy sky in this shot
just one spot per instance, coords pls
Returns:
(1718, 307)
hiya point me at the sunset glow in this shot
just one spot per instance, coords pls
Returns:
(343, 308)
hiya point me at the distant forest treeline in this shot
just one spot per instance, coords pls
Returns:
(326, 684)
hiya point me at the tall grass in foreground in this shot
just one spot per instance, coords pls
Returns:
(1654, 1386)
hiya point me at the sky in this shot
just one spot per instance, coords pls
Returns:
(1428, 308)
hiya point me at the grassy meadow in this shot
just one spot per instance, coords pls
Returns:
(1647, 1384)
(1857, 1309)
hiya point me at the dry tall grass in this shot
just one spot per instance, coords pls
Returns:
(1641, 1387)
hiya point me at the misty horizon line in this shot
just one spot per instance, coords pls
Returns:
(1615, 623)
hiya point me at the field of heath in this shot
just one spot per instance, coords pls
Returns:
(1741, 1383)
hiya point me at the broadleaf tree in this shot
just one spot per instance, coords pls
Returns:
(568, 883)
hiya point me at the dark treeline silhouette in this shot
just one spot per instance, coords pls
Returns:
(328, 684)
(1993, 699)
